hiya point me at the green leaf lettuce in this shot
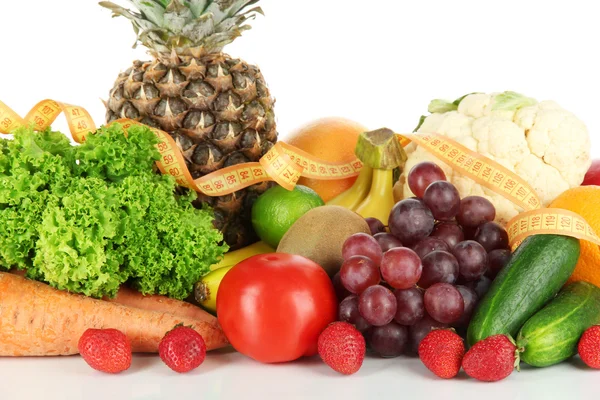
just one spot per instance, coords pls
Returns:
(89, 218)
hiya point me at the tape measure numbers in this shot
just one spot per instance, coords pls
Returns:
(486, 172)
(285, 164)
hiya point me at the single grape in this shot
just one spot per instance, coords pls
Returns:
(481, 286)
(470, 299)
(472, 260)
(449, 232)
(401, 268)
(389, 340)
(438, 267)
(387, 241)
(340, 291)
(474, 211)
(348, 312)
(377, 305)
(492, 236)
(444, 303)
(422, 175)
(361, 244)
(429, 245)
(443, 200)
(411, 221)
(375, 225)
(497, 259)
(358, 273)
(409, 306)
(420, 329)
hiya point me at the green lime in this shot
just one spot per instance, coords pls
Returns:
(276, 210)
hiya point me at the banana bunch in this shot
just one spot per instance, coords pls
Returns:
(205, 291)
(372, 194)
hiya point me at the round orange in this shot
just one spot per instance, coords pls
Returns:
(330, 139)
(585, 201)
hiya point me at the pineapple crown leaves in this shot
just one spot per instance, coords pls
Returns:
(186, 26)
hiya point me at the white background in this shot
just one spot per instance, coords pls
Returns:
(379, 62)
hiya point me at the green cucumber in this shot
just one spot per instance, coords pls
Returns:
(551, 335)
(536, 272)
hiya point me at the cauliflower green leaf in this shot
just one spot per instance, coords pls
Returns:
(512, 101)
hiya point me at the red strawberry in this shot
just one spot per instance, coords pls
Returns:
(182, 349)
(342, 347)
(106, 350)
(589, 347)
(442, 351)
(492, 359)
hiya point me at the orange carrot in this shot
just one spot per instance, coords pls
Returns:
(37, 320)
(132, 298)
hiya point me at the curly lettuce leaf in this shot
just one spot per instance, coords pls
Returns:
(31, 165)
(72, 252)
(87, 219)
(112, 155)
(52, 142)
(173, 245)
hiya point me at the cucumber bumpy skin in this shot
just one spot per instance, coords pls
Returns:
(537, 271)
(551, 335)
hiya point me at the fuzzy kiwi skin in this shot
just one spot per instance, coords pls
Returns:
(320, 233)
(551, 335)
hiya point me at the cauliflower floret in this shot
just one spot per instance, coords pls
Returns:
(543, 178)
(500, 138)
(452, 124)
(559, 138)
(476, 105)
(546, 145)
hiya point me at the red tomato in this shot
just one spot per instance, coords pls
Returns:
(272, 307)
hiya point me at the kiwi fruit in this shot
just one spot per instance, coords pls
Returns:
(320, 233)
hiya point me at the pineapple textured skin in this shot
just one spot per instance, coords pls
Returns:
(217, 108)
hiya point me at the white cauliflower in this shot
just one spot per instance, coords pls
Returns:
(546, 145)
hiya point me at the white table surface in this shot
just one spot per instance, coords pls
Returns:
(229, 375)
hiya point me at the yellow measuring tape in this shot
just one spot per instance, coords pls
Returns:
(44, 114)
(490, 174)
(555, 221)
(285, 164)
(226, 180)
(482, 170)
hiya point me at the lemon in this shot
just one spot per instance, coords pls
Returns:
(276, 210)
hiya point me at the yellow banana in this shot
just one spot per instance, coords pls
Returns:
(205, 291)
(234, 257)
(380, 200)
(352, 197)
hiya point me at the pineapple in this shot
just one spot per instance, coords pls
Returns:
(217, 108)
